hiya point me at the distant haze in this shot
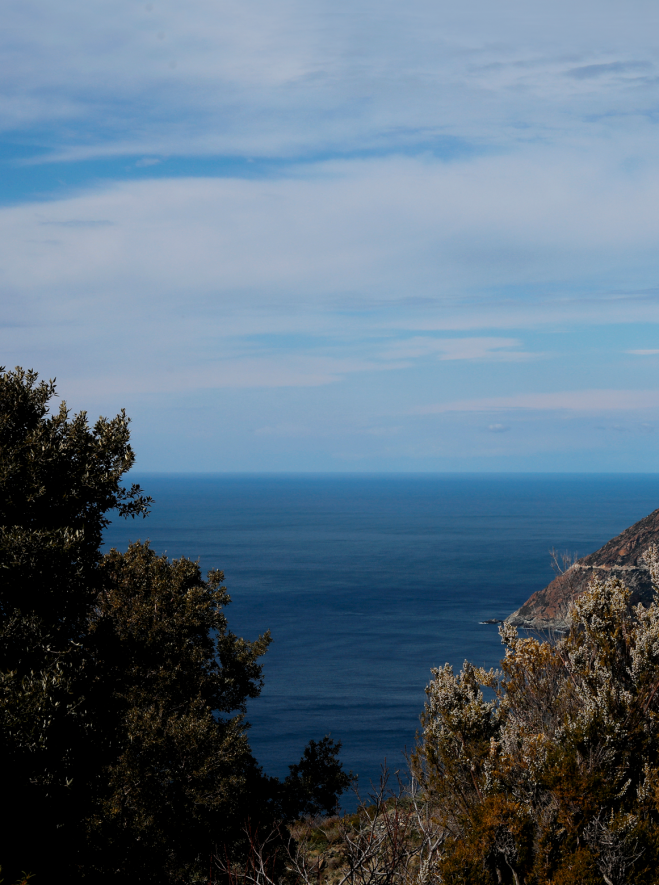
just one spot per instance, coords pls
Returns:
(313, 236)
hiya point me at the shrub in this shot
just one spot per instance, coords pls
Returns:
(548, 770)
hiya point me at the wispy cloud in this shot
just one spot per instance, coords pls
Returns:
(614, 68)
(477, 348)
(316, 217)
(293, 76)
(354, 234)
(571, 400)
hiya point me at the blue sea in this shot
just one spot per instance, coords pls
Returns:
(367, 582)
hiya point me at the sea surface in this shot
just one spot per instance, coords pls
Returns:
(368, 582)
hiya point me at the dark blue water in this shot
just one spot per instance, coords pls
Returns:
(367, 582)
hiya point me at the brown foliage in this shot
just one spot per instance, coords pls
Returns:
(553, 776)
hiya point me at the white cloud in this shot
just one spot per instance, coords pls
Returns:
(353, 233)
(223, 373)
(284, 76)
(498, 174)
(176, 272)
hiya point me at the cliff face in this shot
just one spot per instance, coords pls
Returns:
(622, 557)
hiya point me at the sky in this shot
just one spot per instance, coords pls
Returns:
(339, 236)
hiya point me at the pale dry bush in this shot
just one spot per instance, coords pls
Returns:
(392, 839)
(558, 753)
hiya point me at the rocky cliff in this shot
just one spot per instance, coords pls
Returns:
(622, 557)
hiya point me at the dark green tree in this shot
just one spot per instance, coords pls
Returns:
(175, 682)
(59, 479)
(315, 783)
(122, 690)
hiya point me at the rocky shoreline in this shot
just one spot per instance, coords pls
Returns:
(621, 557)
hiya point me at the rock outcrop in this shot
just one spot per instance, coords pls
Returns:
(622, 557)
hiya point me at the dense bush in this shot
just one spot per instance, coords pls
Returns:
(552, 774)
(170, 671)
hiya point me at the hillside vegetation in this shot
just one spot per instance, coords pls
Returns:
(125, 747)
(546, 771)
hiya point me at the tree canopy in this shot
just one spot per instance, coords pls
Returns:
(122, 689)
(59, 479)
